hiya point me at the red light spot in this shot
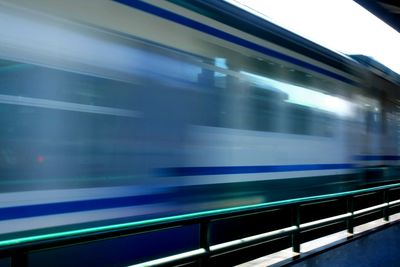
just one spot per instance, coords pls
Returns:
(40, 159)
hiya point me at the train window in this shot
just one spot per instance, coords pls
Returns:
(323, 123)
(299, 119)
(265, 109)
(31, 82)
(373, 121)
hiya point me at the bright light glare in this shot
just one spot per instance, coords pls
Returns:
(305, 97)
(340, 25)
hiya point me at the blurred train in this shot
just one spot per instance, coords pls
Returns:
(113, 111)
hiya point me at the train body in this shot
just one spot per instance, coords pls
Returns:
(120, 110)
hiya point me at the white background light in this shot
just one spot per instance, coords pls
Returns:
(340, 25)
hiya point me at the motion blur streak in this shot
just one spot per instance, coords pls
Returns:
(115, 111)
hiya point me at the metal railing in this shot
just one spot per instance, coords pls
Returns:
(345, 210)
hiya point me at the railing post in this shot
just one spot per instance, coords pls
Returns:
(205, 242)
(296, 234)
(386, 209)
(350, 209)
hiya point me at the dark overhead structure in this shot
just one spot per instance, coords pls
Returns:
(386, 10)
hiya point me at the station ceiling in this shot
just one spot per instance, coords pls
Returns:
(386, 10)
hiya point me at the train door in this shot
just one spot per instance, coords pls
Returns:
(390, 137)
(371, 126)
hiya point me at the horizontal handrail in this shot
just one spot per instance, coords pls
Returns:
(373, 208)
(325, 221)
(192, 253)
(253, 238)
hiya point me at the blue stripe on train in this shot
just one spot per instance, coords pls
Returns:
(80, 205)
(377, 157)
(219, 170)
(229, 37)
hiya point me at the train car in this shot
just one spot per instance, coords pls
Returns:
(379, 156)
(114, 111)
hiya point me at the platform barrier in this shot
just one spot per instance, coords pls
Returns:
(224, 237)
